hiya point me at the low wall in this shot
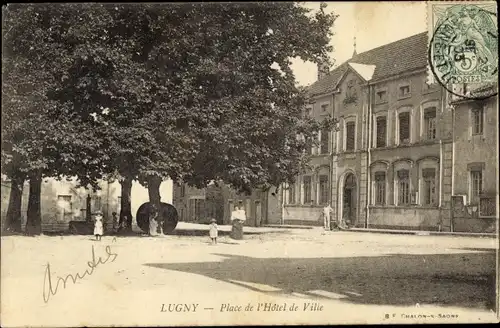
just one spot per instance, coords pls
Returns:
(303, 215)
(407, 218)
(474, 225)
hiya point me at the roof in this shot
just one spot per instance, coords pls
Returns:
(391, 59)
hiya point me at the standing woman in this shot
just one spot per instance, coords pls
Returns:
(237, 219)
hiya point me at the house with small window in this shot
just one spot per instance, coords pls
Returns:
(475, 160)
(217, 201)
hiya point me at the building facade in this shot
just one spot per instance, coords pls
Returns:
(199, 205)
(475, 162)
(62, 201)
(389, 163)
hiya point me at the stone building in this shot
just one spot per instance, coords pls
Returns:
(62, 201)
(199, 205)
(475, 160)
(389, 163)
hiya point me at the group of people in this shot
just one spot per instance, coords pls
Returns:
(238, 217)
(99, 224)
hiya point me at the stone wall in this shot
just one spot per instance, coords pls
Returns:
(427, 219)
(307, 215)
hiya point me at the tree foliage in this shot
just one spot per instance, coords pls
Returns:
(194, 92)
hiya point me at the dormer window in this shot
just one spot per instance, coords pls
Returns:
(404, 91)
(381, 96)
(324, 108)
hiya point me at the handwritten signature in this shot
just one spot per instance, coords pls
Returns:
(49, 289)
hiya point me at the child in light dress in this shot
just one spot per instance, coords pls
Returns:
(213, 231)
(98, 227)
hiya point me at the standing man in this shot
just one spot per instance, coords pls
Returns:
(326, 216)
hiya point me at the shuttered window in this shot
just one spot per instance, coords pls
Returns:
(430, 123)
(476, 178)
(291, 194)
(350, 135)
(325, 141)
(403, 187)
(381, 131)
(379, 188)
(404, 128)
(323, 189)
(429, 186)
(477, 121)
(307, 189)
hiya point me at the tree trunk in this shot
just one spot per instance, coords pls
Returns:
(88, 208)
(154, 183)
(13, 218)
(34, 213)
(125, 205)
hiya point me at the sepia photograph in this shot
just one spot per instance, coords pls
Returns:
(249, 163)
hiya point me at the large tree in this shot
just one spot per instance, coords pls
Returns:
(193, 92)
(38, 140)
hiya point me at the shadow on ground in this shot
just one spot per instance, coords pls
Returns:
(463, 280)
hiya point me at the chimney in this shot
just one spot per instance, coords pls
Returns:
(323, 70)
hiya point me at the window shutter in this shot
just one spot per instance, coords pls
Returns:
(381, 131)
(404, 127)
(325, 141)
(350, 135)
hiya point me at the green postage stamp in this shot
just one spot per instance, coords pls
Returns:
(463, 42)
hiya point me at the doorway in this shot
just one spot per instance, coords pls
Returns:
(349, 202)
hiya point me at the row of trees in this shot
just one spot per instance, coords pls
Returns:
(192, 92)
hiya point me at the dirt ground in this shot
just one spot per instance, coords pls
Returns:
(272, 276)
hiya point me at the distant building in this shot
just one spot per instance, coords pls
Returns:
(198, 205)
(390, 162)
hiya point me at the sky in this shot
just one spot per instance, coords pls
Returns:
(372, 23)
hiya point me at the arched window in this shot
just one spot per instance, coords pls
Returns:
(379, 183)
(323, 186)
(404, 121)
(350, 133)
(428, 120)
(380, 130)
(402, 183)
(428, 181)
(307, 188)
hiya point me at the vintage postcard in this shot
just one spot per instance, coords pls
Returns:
(261, 163)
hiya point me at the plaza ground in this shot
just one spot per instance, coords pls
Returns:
(347, 277)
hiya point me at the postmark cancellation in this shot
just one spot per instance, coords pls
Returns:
(463, 43)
